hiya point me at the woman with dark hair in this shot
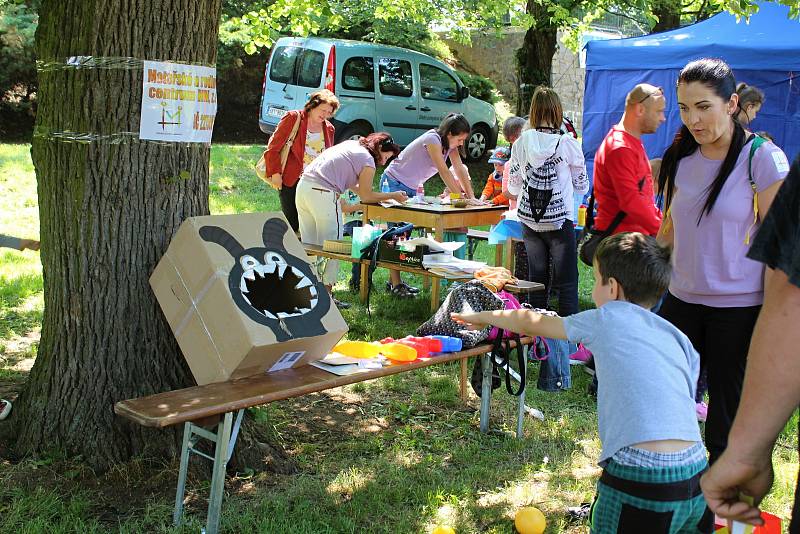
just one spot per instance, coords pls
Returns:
(310, 132)
(717, 188)
(419, 161)
(348, 165)
(750, 101)
(547, 168)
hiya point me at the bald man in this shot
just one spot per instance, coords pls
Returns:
(623, 179)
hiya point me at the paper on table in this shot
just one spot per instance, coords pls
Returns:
(390, 203)
(447, 246)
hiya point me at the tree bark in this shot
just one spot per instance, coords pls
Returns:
(668, 13)
(535, 57)
(108, 206)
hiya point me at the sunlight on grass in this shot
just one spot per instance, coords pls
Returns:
(407, 457)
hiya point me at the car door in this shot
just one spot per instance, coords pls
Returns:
(439, 95)
(396, 99)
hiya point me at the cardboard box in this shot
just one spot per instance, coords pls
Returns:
(242, 299)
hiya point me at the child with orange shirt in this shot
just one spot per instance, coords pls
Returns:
(494, 183)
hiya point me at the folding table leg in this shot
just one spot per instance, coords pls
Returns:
(187, 434)
(218, 477)
(486, 390)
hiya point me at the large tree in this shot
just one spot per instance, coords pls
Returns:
(109, 204)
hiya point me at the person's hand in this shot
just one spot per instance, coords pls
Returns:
(30, 244)
(729, 477)
(470, 320)
(275, 181)
(400, 196)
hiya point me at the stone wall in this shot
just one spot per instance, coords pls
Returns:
(494, 58)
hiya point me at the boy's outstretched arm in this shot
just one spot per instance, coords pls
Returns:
(525, 322)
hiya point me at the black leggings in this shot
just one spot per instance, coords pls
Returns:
(288, 206)
(559, 247)
(722, 337)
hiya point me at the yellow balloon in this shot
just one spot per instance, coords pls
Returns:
(530, 520)
(443, 529)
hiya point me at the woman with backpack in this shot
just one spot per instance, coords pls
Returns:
(718, 182)
(546, 170)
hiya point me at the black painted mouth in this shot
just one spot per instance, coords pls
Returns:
(276, 289)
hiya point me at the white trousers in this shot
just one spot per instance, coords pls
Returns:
(320, 218)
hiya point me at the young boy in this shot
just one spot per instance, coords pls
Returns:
(652, 454)
(494, 183)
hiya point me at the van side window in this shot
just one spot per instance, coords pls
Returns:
(437, 84)
(395, 77)
(357, 74)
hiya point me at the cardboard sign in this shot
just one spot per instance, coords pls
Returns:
(179, 102)
(241, 297)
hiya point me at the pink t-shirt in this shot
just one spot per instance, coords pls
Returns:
(337, 168)
(512, 202)
(710, 266)
(414, 165)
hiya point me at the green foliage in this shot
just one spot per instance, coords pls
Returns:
(17, 69)
(479, 86)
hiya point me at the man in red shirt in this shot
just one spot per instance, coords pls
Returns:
(623, 180)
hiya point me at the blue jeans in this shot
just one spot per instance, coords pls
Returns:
(394, 185)
(559, 247)
(554, 372)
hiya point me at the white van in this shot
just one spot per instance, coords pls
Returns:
(380, 88)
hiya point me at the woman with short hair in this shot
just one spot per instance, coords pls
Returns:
(348, 165)
(314, 133)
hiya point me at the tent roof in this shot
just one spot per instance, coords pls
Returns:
(770, 41)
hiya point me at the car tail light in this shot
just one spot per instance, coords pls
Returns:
(330, 74)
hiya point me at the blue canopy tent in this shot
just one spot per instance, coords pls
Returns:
(764, 53)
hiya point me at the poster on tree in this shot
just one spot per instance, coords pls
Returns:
(179, 102)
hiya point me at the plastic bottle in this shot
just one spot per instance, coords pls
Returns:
(385, 185)
(582, 215)
(420, 196)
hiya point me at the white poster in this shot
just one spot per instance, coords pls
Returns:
(179, 102)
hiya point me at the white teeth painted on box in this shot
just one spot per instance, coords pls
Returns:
(281, 269)
(283, 315)
(249, 274)
(313, 302)
(305, 282)
(297, 272)
(313, 291)
(259, 269)
(269, 315)
(243, 286)
(246, 299)
(270, 268)
(304, 310)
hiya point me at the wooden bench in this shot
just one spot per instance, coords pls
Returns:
(214, 404)
(474, 236)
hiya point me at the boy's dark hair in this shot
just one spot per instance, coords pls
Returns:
(638, 263)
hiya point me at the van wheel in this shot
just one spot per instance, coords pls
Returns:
(476, 143)
(354, 130)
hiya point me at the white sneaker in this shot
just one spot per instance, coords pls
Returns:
(5, 408)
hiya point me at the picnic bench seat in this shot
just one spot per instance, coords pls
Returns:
(213, 404)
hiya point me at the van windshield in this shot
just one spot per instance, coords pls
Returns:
(295, 65)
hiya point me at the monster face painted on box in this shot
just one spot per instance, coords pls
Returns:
(271, 286)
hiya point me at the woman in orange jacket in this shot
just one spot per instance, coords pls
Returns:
(314, 133)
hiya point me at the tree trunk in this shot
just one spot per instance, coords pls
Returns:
(108, 206)
(668, 13)
(535, 57)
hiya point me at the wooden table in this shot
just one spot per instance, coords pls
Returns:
(436, 216)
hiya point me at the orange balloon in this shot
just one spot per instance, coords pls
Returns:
(443, 529)
(530, 520)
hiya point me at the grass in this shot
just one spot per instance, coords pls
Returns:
(398, 455)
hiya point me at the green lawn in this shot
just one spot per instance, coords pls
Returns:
(396, 455)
